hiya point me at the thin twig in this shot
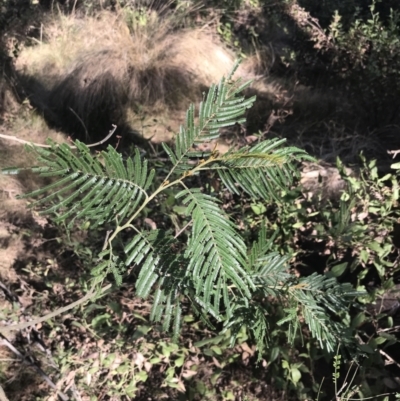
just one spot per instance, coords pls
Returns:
(41, 346)
(394, 152)
(389, 329)
(8, 293)
(15, 139)
(81, 121)
(389, 358)
(24, 325)
(23, 358)
(75, 392)
(108, 233)
(183, 229)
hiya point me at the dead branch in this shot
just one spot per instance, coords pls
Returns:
(15, 139)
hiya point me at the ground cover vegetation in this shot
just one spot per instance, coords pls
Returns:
(245, 248)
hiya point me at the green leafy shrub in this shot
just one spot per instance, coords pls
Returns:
(355, 239)
(358, 52)
(369, 57)
(282, 284)
(274, 267)
(212, 267)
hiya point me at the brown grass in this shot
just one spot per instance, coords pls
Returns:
(87, 73)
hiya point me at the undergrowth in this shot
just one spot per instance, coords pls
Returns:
(221, 262)
(226, 282)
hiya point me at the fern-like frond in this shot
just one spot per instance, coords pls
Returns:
(269, 270)
(108, 263)
(216, 253)
(162, 272)
(272, 273)
(251, 315)
(319, 298)
(98, 189)
(154, 253)
(262, 246)
(222, 107)
(261, 171)
(167, 301)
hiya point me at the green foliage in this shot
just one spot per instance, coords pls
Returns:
(356, 43)
(112, 189)
(212, 268)
(289, 286)
(353, 238)
(371, 47)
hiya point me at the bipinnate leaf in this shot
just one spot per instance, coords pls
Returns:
(215, 251)
(261, 171)
(223, 106)
(95, 188)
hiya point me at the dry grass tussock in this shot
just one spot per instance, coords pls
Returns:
(89, 72)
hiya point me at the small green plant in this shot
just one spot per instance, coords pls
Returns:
(359, 49)
(210, 266)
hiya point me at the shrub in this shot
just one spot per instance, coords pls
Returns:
(211, 266)
(358, 52)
